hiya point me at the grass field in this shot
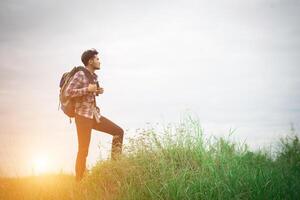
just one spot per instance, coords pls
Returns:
(177, 162)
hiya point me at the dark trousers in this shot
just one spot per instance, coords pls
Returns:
(84, 128)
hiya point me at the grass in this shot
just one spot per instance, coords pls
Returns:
(47, 186)
(176, 163)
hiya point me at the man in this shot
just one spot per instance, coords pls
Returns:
(87, 114)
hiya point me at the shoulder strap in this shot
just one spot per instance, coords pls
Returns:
(87, 73)
(90, 77)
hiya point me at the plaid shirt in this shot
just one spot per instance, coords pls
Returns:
(78, 87)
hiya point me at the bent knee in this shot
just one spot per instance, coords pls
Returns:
(120, 132)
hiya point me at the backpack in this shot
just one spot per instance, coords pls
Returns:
(67, 104)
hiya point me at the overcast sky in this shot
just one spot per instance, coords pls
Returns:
(233, 64)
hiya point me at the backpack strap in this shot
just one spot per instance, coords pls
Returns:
(87, 73)
(90, 77)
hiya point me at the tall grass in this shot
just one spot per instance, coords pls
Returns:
(179, 162)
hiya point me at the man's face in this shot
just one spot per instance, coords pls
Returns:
(95, 62)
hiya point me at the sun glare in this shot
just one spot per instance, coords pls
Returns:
(41, 165)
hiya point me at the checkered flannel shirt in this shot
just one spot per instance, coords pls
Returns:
(78, 87)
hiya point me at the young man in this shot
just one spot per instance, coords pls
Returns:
(87, 114)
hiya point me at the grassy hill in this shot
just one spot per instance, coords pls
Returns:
(176, 163)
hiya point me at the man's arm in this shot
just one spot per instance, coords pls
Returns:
(73, 89)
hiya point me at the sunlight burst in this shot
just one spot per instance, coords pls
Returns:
(41, 164)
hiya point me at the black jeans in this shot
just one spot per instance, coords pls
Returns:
(84, 128)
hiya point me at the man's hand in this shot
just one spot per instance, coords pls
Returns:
(92, 88)
(100, 90)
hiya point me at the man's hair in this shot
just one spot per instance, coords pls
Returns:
(87, 55)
